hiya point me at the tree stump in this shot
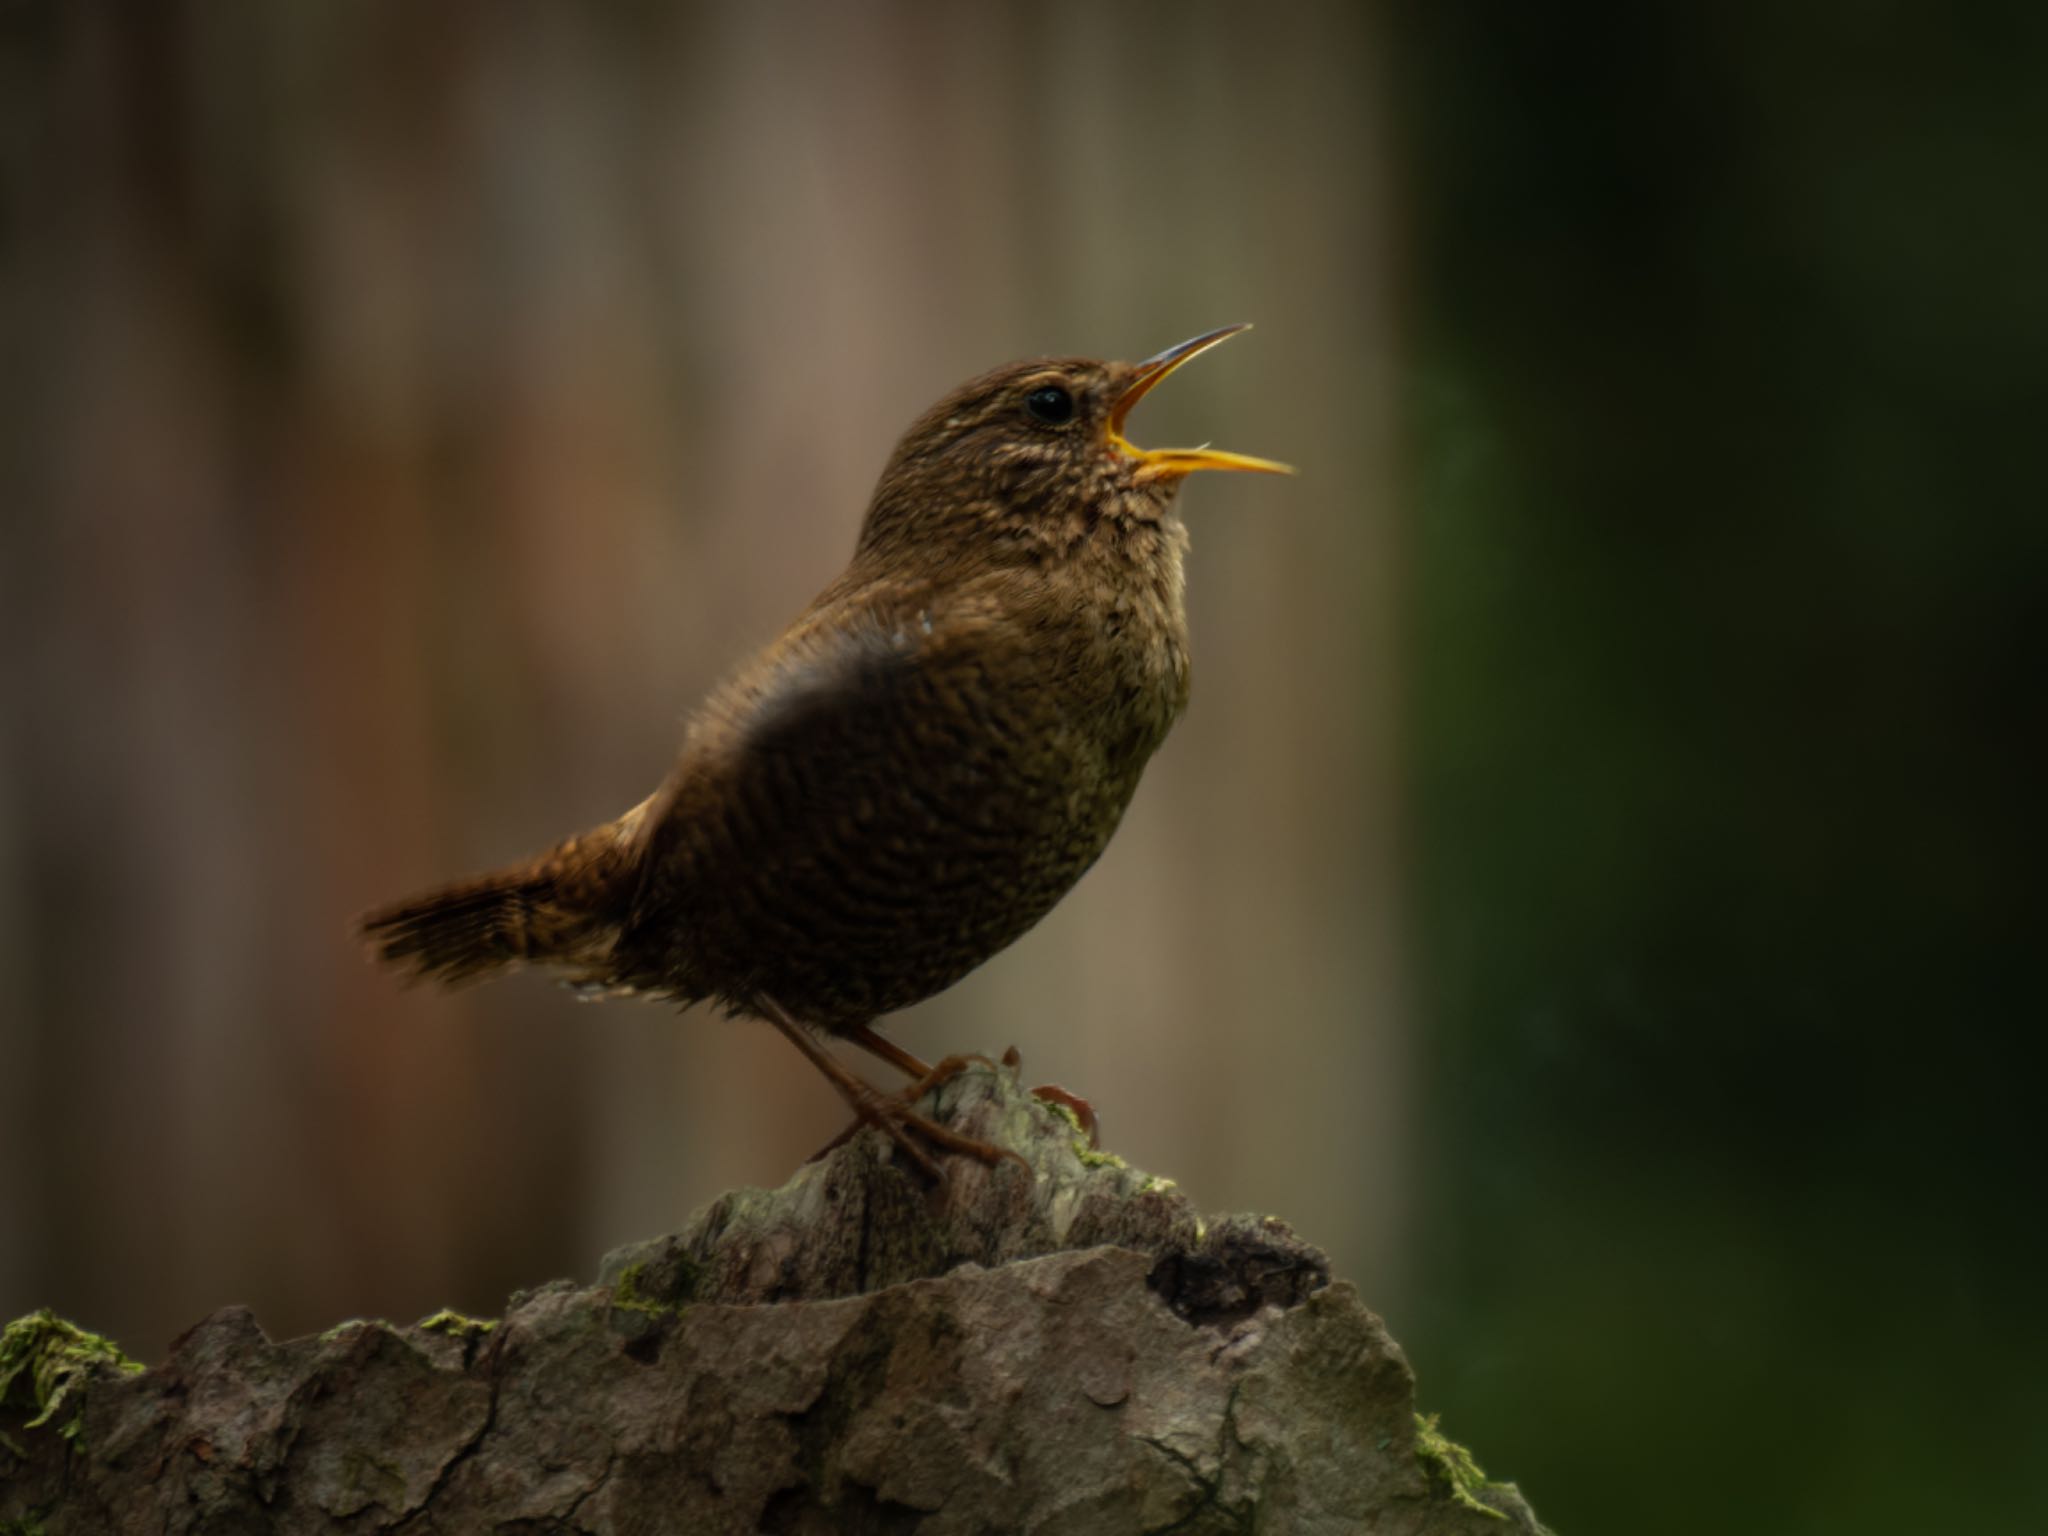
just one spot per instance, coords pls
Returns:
(1062, 1348)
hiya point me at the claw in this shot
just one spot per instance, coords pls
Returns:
(942, 1073)
(1053, 1093)
(1081, 1109)
(895, 1118)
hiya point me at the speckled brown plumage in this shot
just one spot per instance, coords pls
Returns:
(922, 764)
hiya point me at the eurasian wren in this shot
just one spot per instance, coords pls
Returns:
(917, 770)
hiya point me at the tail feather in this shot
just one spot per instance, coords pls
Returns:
(558, 909)
(468, 931)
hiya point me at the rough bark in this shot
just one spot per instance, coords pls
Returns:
(1067, 1348)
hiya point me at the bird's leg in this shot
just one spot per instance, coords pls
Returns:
(925, 1078)
(865, 1036)
(893, 1116)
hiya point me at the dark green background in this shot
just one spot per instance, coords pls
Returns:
(1729, 534)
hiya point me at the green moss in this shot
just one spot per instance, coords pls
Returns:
(44, 1363)
(1449, 1466)
(1089, 1156)
(455, 1324)
(28, 1525)
(631, 1291)
(1064, 1113)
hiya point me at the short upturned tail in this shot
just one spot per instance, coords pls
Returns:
(560, 909)
(468, 931)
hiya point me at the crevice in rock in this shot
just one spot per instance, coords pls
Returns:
(1242, 1265)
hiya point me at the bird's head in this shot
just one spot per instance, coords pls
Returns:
(1031, 459)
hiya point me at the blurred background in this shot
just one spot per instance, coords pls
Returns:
(1593, 892)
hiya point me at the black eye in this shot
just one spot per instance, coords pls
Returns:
(1051, 404)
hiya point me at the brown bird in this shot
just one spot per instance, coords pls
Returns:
(916, 771)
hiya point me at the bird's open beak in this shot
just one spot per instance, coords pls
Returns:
(1172, 463)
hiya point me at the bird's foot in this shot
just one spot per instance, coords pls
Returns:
(1052, 1093)
(943, 1072)
(893, 1116)
(897, 1118)
(1082, 1111)
(906, 1123)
